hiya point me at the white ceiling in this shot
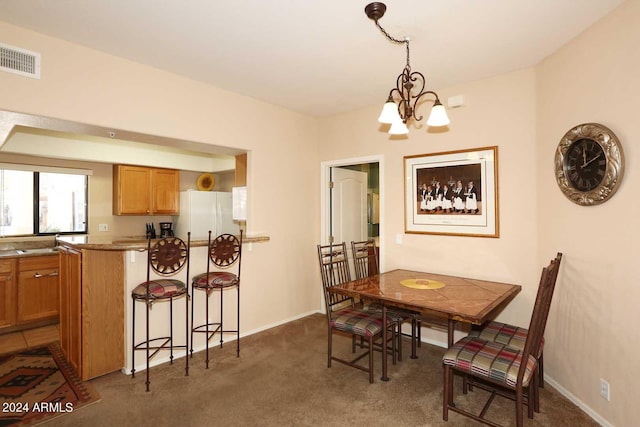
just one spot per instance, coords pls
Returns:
(318, 58)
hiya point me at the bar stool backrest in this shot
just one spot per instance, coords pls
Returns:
(168, 255)
(225, 250)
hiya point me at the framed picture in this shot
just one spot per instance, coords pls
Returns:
(453, 193)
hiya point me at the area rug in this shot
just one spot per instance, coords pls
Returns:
(37, 385)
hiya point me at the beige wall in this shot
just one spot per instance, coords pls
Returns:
(594, 317)
(87, 86)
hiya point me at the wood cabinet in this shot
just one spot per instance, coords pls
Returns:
(92, 310)
(38, 292)
(70, 306)
(7, 292)
(241, 170)
(139, 190)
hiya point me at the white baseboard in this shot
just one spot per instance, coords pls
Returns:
(179, 354)
(580, 404)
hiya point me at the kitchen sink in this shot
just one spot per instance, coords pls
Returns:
(36, 251)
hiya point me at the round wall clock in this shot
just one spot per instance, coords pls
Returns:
(589, 164)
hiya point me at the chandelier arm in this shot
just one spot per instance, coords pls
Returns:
(412, 77)
(428, 92)
(401, 103)
(417, 98)
(404, 105)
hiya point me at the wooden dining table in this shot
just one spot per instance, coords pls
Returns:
(451, 298)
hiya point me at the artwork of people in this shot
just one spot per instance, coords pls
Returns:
(440, 192)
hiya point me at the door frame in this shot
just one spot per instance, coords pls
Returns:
(325, 214)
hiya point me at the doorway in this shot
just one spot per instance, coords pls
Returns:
(352, 207)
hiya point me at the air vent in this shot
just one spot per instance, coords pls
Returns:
(19, 61)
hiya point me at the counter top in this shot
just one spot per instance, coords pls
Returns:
(12, 253)
(27, 249)
(129, 243)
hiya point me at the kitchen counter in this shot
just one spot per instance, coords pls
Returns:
(107, 271)
(131, 243)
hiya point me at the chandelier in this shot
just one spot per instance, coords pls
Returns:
(409, 88)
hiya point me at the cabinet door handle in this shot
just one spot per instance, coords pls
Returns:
(38, 275)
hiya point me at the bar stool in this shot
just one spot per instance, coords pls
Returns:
(166, 258)
(223, 252)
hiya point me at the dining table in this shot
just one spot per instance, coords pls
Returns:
(450, 298)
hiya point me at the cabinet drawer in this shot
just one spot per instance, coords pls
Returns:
(38, 262)
(6, 266)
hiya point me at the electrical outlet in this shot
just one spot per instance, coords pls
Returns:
(103, 227)
(604, 389)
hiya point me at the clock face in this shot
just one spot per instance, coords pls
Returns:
(589, 164)
(585, 164)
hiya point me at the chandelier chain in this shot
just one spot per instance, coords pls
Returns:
(393, 39)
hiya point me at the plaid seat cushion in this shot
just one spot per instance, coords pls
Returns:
(503, 333)
(356, 321)
(215, 279)
(489, 359)
(160, 288)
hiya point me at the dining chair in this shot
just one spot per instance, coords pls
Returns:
(515, 336)
(344, 316)
(498, 368)
(224, 253)
(366, 263)
(166, 258)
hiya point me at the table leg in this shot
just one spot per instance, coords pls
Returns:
(384, 343)
(450, 325)
(450, 328)
(414, 336)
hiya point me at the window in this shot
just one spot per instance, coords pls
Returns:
(40, 203)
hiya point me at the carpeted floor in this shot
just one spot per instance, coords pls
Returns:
(37, 385)
(282, 379)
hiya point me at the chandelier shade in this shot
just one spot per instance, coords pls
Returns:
(403, 99)
(438, 116)
(398, 128)
(389, 112)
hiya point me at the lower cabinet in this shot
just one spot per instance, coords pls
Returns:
(70, 306)
(7, 293)
(92, 310)
(37, 288)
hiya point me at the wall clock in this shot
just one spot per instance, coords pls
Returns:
(589, 164)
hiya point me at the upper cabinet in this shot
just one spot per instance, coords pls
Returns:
(141, 190)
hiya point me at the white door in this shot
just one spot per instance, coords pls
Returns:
(348, 205)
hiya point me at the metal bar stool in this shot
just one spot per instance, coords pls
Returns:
(166, 258)
(223, 252)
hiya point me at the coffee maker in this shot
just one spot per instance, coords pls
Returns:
(166, 229)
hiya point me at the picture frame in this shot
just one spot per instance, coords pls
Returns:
(434, 201)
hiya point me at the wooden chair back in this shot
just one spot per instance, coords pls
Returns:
(365, 258)
(334, 268)
(540, 313)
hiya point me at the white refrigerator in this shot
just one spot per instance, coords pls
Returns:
(201, 211)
